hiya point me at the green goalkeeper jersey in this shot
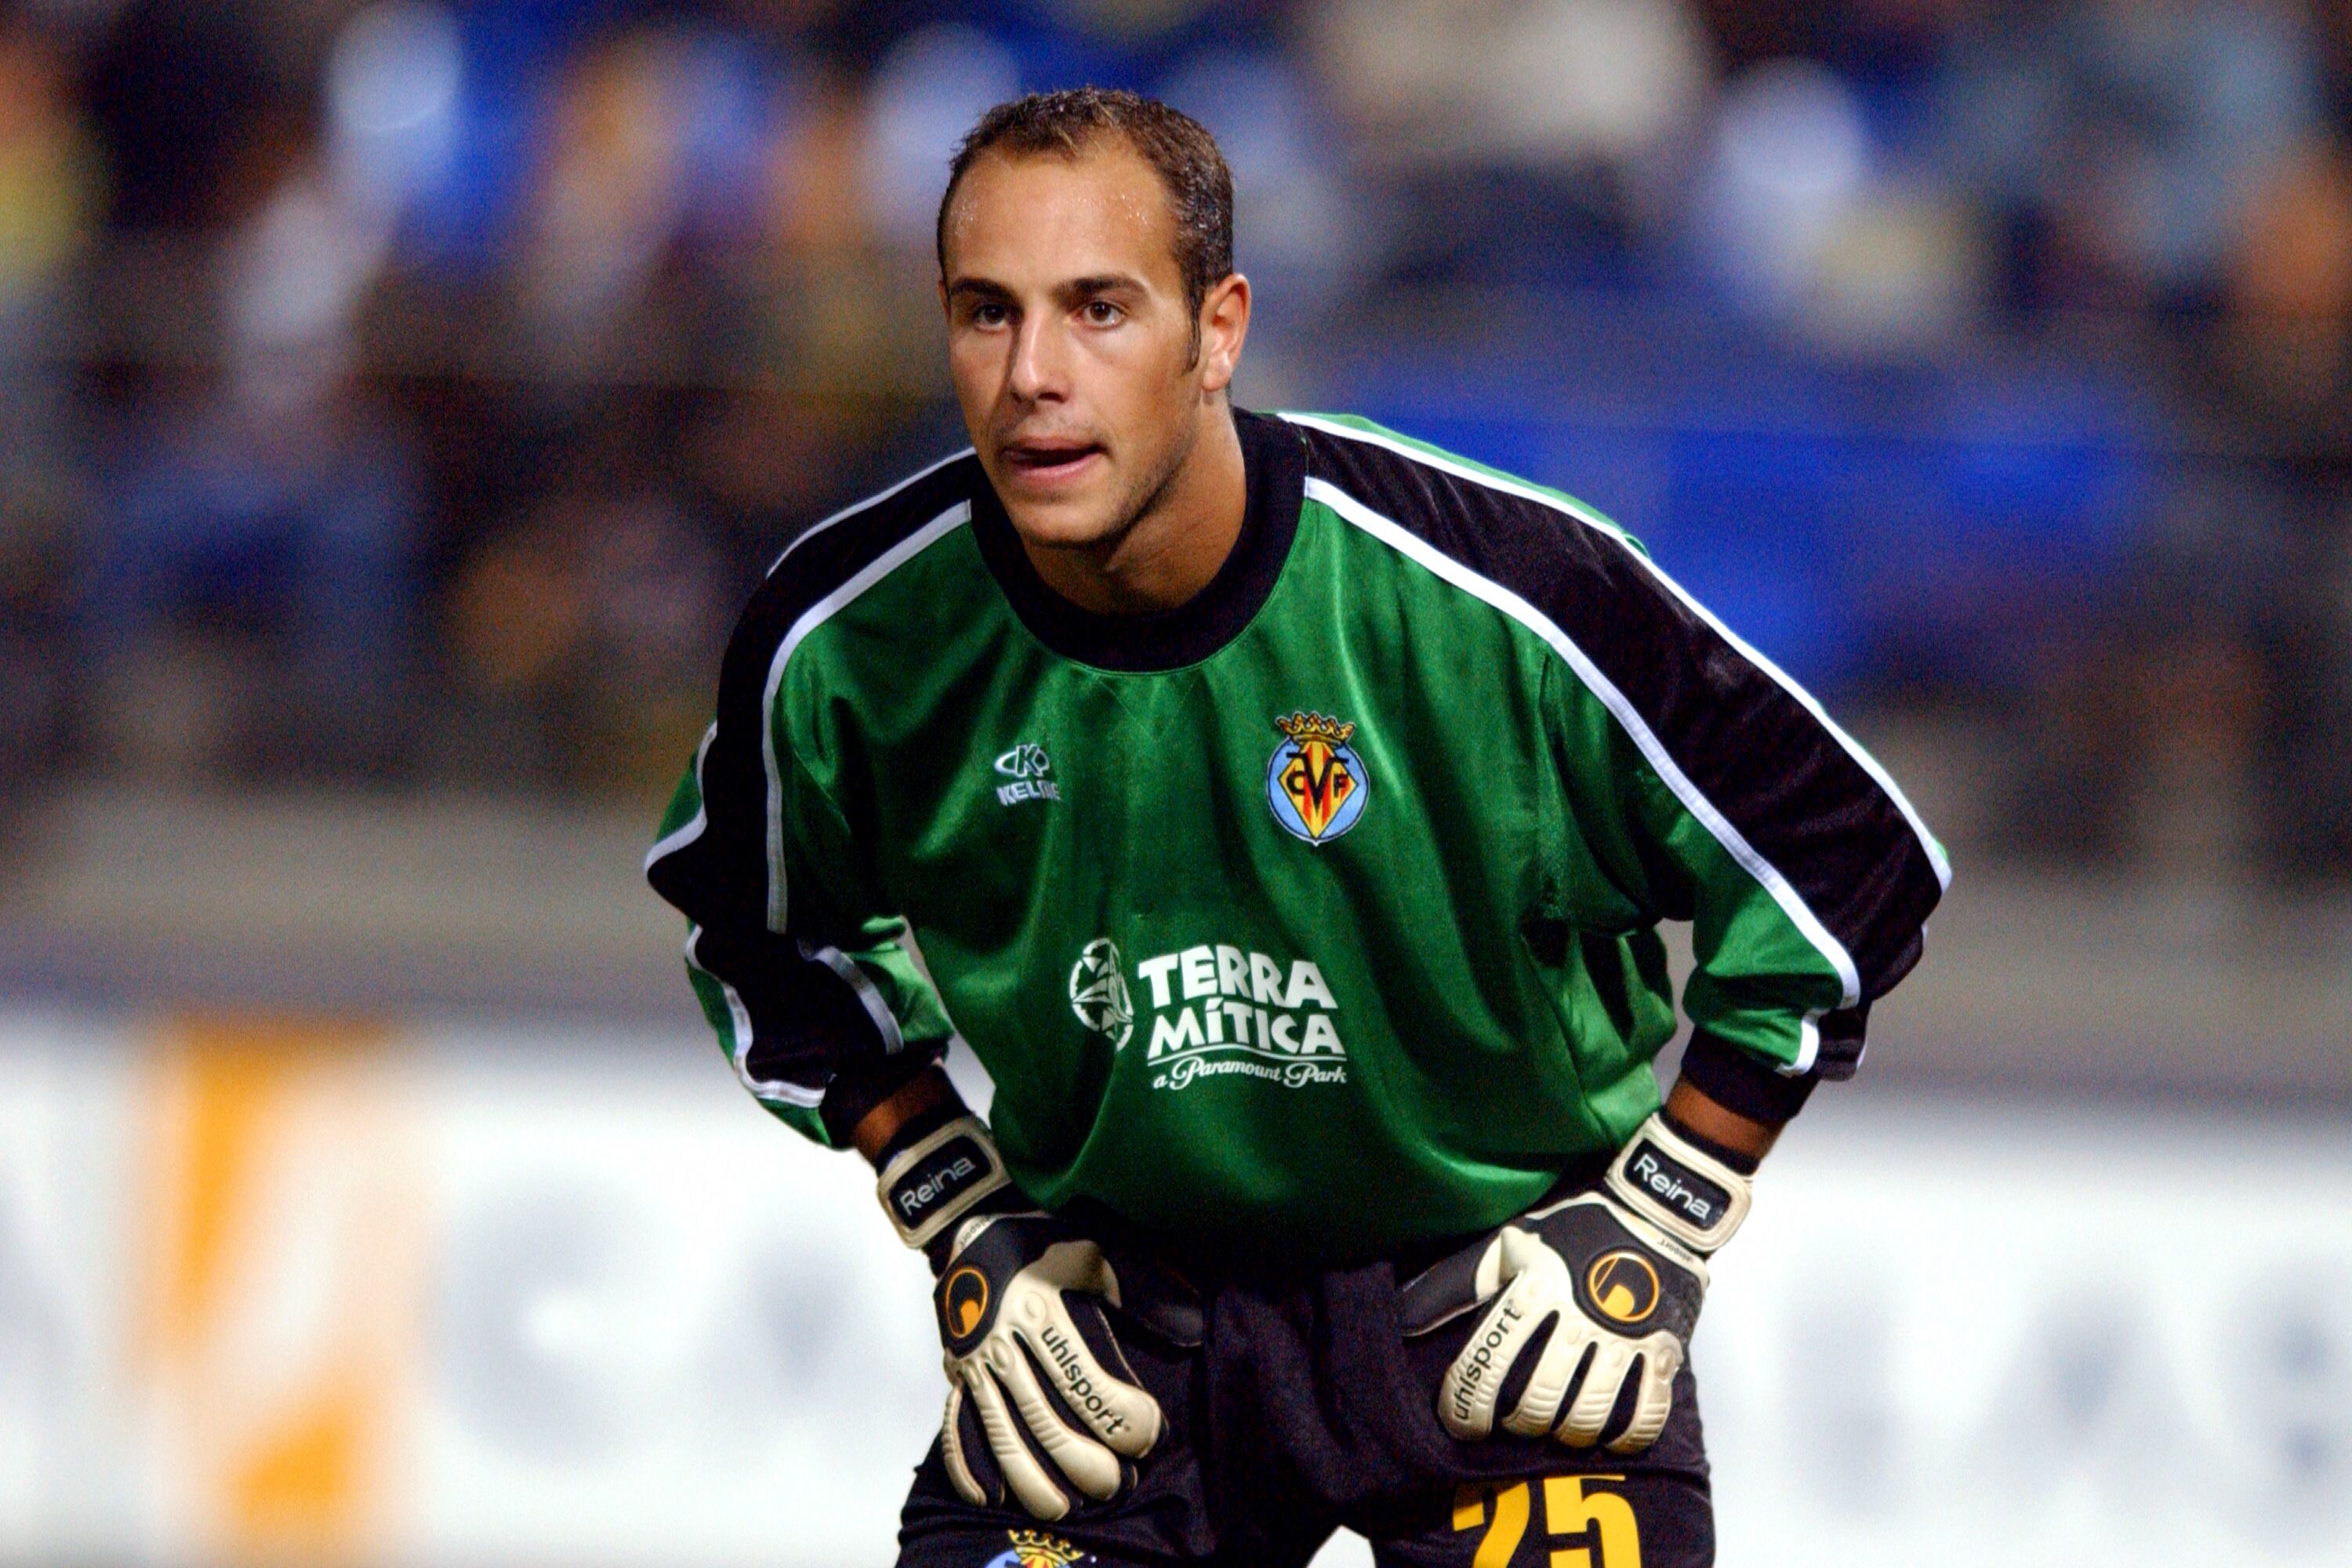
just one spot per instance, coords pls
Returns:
(1317, 916)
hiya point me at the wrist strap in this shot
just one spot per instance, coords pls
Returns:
(932, 1183)
(1678, 1186)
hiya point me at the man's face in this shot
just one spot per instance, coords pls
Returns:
(1069, 340)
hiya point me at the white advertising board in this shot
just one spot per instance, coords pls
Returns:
(1980, 1334)
(306, 1290)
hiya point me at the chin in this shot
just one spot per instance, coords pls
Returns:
(1061, 524)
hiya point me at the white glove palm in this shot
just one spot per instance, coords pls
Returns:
(1005, 1318)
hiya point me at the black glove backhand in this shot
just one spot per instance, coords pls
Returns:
(1606, 1270)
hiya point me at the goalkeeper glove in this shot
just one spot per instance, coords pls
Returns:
(1618, 1273)
(1011, 1288)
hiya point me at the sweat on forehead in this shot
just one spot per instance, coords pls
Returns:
(1072, 123)
(1105, 191)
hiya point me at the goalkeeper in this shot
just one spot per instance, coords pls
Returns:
(1285, 810)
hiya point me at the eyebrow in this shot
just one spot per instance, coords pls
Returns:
(979, 287)
(1101, 283)
(1070, 290)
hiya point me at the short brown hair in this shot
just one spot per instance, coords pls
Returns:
(1177, 147)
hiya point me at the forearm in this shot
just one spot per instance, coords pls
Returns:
(1696, 1115)
(928, 1096)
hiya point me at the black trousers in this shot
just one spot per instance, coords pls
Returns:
(1304, 1409)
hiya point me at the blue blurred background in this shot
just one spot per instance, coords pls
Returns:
(404, 394)
(398, 399)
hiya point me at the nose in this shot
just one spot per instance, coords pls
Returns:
(1039, 372)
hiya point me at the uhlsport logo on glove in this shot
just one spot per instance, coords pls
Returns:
(964, 1302)
(1622, 1287)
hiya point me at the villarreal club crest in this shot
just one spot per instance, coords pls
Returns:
(1036, 1549)
(1316, 783)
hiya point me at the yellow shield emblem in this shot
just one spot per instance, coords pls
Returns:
(1316, 783)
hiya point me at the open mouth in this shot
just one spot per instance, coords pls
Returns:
(1045, 461)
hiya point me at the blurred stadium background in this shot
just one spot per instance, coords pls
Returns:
(397, 399)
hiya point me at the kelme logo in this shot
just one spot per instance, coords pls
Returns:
(1029, 774)
(1036, 1549)
(963, 1302)
(1316, 783)
(1098, 993)
(1623, 1286)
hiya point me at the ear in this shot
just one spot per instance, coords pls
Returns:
(1225, 324)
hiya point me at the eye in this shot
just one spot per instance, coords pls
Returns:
(989, 313)
(1103, 313)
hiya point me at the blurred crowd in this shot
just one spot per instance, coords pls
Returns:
(408, 391)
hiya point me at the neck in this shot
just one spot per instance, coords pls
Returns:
(1175, 545)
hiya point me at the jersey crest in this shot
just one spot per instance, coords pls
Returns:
(1316, 783)
(1036, 1549)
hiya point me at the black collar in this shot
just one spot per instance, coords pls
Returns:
(1274, 458)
